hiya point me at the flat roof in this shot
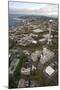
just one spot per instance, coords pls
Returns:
(49, 70)
(37, 30)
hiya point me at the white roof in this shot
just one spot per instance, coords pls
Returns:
(37, 30)
(47, 35)
(9, 55)
(35, 55)
(34, 41)
(42, 40)
(25, 71)
(49, 70)
(46, 56)
(50, 20)
(21, 83)
(33, 67)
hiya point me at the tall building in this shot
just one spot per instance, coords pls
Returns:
(50, 29)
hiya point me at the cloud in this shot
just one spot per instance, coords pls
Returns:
(49, 9)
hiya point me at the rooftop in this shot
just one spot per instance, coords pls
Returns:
(42, 40)
(49, 70)
(37, 30)
(25, 71)
(47, 35)
(35, 55)
(21, 83)
(46, 56)
(34, 41)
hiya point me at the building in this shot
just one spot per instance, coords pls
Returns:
(50, 29)
(21, 83)
(38, 30)
(46, 55)
(34, 42)
(49, 70)
(25, 71)
(47, 35)
(26, 40)
(35, 55)
(26, 52)
(43, 40)
(33, 68)
(13, 65)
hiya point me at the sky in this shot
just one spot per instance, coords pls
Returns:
(20, 5)
(33, 8)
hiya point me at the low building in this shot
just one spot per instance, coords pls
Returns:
(47, 36)
(9, 55)
(33, 68)
(25, 71)
(49, 70)
(26, 52)
(33, 35)
(34, 26)
(35, 55)
(13, 65)
(34, 83)
(43, 40)
(26, 40)
(38, 30)
(34, 42)
(21, 83)
(51, 20)
(46, 55)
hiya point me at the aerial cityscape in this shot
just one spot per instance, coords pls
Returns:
(33, 44)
